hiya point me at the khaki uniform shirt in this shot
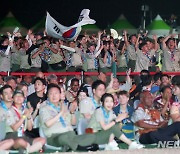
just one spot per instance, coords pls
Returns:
(15, 56)
(36, 62)
(131, 52)
(97, 117)
(46, 113)
(142, 62)
(24, 60)
(70, 95)
(76, 58)
(169, 64)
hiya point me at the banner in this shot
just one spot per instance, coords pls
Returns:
(56, 30)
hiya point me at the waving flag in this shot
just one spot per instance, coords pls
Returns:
(56, 30)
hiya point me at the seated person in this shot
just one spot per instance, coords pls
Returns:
(88, 105)
(175, 109)
(164, 102)
(56, 122)
(105, 122)
(20, 120)
(6, 144)
(124, 107)
(151, 128)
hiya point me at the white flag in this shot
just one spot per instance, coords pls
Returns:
(56, 30)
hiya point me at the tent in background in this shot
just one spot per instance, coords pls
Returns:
(158, 27)
(40, 26)
(9, 23)
(123, 24)
(90, 29)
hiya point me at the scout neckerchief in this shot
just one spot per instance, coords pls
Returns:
(96, 105)
(21, 128)
(105, 114)
(108, 58)
(46, 55)
(172, 55)
(95, 59)
(3, 105)
(61, 119)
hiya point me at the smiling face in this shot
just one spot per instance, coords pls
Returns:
(7, 95)
(115, 84)
(108, 103)
(54, 95)
(147, 99)
(123, 99)
(18, 99)
(39, 86)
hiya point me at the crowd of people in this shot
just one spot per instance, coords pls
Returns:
(135, 110)
(92, 53)
(82, 115)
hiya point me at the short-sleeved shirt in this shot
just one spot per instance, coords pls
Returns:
(131, 52)
(11, 118)
(24, 60)
(170, 63)
(2, 114)
(36, 62)
(15, 56)
(141, 114)
(142, 62)
(34, 99)
(70, 95)
(46, 113)
(97, 117)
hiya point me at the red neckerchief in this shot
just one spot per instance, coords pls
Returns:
(19, 116)
(17, 112)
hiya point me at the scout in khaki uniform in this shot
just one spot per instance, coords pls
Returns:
(171, 55)
(131, 50)
(88, 105)
(105, 122)
(18, 120)
(143, 58)
(56, 122)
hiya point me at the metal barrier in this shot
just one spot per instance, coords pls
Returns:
(78, 73)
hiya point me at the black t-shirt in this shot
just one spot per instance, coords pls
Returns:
(34, 99)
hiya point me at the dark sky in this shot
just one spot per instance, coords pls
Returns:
(105, 12)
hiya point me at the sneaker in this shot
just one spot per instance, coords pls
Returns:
(112, 146)
(134, 145)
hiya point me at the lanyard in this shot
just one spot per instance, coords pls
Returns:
(105, 114)
(21, 128)
(124, 121)
(94, 102)
(61, 119)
